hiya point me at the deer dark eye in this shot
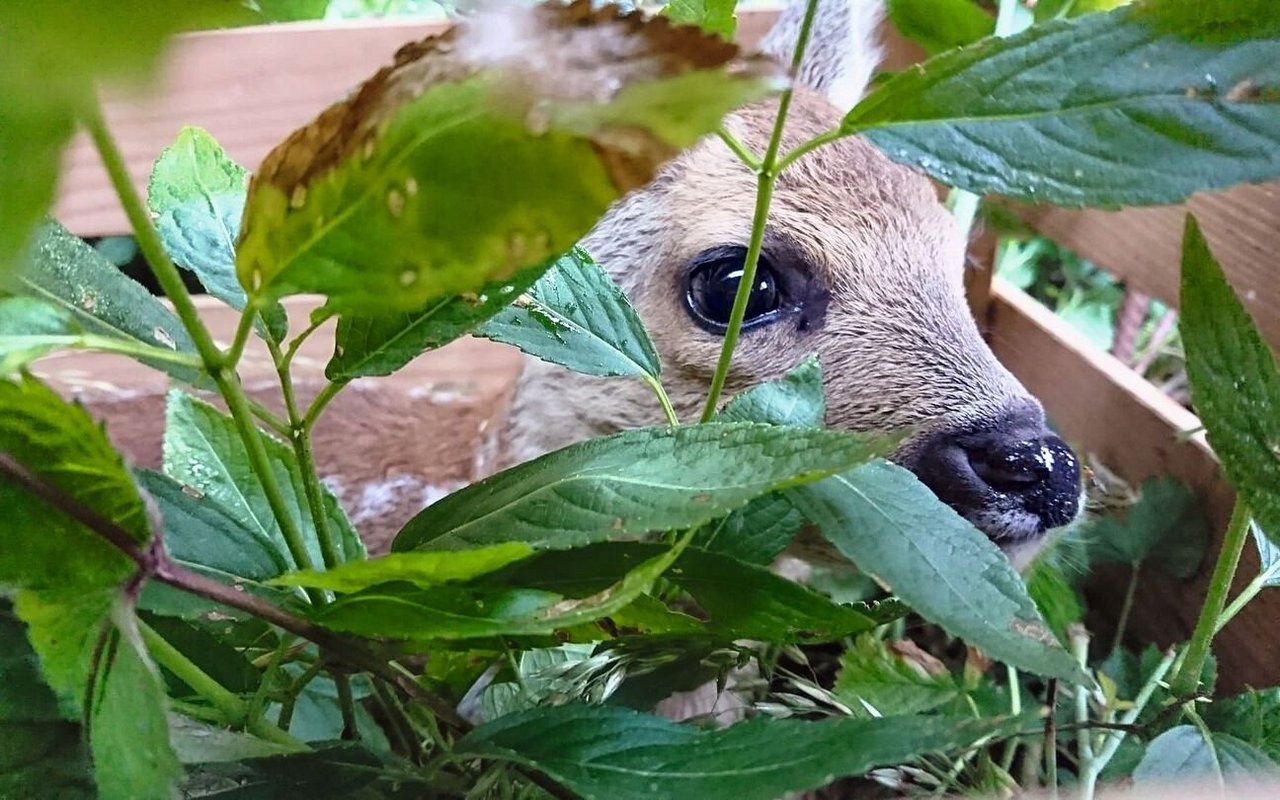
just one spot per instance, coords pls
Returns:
(712, 282)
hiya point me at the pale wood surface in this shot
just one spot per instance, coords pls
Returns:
(1143, 245)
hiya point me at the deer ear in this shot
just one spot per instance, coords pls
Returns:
(843, 49)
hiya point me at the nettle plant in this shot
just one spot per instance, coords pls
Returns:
(216, 626)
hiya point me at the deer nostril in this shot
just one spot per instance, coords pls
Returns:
(1012, 466)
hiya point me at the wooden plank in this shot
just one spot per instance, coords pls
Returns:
(1104, 408)
(1143, 245)
(250, 87)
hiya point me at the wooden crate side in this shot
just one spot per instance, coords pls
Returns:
(1104, 408)
(1143, 245)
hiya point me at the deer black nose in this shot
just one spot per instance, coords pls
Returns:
(1013, 478)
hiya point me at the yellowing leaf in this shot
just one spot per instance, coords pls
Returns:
(490, 148)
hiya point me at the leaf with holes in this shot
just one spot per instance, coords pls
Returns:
(196, 195)
(102, 301)
(634, 482)
(1235, 383)
(604, 751)
(713, 16)
(381, 344)
(575, 316)
(394, 197)
(1142, 105)
(884, 520)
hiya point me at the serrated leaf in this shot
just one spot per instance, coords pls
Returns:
(1235, 384)
(601, 751)
(375, 205)
(196, 194)
(205, 537)
(45, 549)
(884, 520)
(382, 344)
(575, 316)
(940, 24)
(795, 399)
(713, 16)
(1184, 755)
(1268, 554)
(894, 678)
(497, 609)
(1167, 525)
(1142, 105)
(1055, 597)
(128, 727)
(203, 450)
(419, 569)
(1253, 717)
(51, 56)
(29, 328)
(71, 275)
(634, 482)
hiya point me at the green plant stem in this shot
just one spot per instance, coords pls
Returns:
(1015, 709)
(664, 399)
(320, 318)
(1051, 741)
(766, 177)
(171, 282)
(241, 338)
(1187, 680)
(1084, 737)
(347, 706)
(1113, 739)
(1126, 609)
(1260, 582)
(300, 439)
(739, 149)
(964, 208)
(267, 417)
(321, 400)
(107, 344)
(235, 712)
(1207, 735)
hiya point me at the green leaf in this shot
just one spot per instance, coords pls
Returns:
(205, 537)
(762, 529)
(634, 482)
(51, 56)
(1167, 525)
(796, 399)
(893, 678)
(1268, 554)
(889, 524)
(317, 712)
(575, 316)
(1055, 597)
(739, 601)
(29, 328)
(1142, 105)
(101, 300)
(61, 443)
(382, 344)
(328, 772)
(128, 727)
(1184, 755)
(1235, 385)
(376, 203)
(419, 569)
(196, 194)
(940, 24)
(1253, 717)
(601, 751)
(713, 16)
(195, 742)
(203, 450)
(477, 611)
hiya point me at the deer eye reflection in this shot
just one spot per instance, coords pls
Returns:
(711, 283)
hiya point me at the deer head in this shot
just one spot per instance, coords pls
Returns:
(861, 265)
